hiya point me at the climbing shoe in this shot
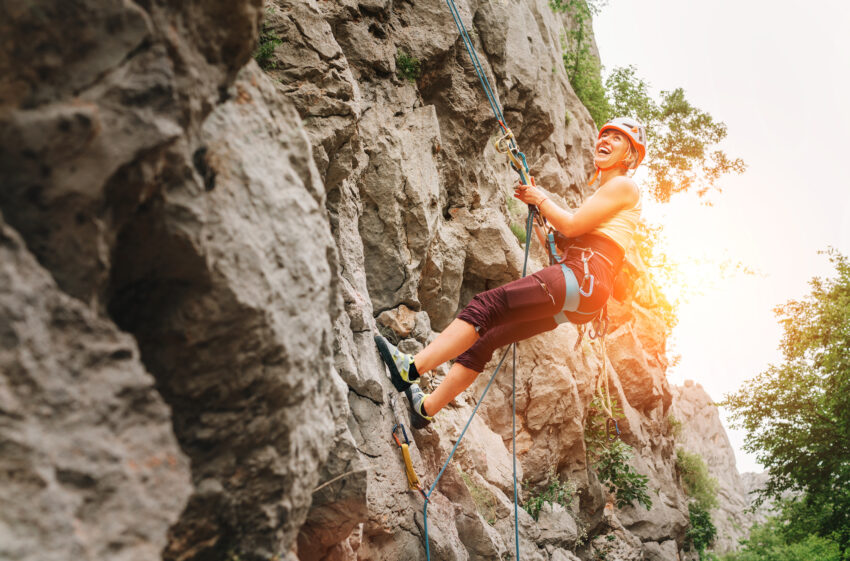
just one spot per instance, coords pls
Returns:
(416, 397)
(402, 370)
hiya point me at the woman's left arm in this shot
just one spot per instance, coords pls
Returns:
(618, 193)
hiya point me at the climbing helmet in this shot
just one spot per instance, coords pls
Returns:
(635, 131)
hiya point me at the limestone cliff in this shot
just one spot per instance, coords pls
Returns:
(194, 252)
(703, 433)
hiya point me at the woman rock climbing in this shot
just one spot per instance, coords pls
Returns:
(599, 231)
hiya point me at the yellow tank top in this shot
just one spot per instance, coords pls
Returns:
(621, 227)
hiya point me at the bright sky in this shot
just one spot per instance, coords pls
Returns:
(778, 74)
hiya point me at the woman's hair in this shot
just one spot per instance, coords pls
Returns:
(633, 155)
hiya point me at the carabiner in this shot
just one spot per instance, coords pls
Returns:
(586, 255)
(403, 432)
(581, 290)
(502, 144)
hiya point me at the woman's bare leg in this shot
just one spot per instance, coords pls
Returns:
(458, 379)
(455, 339)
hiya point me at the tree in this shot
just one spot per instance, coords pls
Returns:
(769, 542)
(681, 153)
(796, 414)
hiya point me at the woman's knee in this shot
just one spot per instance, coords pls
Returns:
(475, 360)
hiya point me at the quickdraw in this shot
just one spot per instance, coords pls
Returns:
(412, 479)
(612, 435)
(598, 330)
(507, 145)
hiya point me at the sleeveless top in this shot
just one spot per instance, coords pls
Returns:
(621, 227)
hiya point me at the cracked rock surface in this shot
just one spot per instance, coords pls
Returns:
(195, 255)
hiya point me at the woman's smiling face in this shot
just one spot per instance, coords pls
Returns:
(611, 148)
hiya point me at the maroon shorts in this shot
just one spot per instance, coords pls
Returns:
(527, 306)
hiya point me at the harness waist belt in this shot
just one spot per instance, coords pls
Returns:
(601, 245)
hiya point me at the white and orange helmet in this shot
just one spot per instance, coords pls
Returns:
(632, 129)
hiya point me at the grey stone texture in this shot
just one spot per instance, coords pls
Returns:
(195, 254)
(90, 468)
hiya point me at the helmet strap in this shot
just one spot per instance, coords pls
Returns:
(599, 170)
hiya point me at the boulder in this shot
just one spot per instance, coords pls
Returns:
(557, 526)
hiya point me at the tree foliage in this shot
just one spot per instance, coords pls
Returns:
(682, 154)
(682, 139)
(796, 414)
(770, 542)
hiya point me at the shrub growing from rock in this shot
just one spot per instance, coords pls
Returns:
(696, 481)
(611, 459)
(552, 490)
(407, 66)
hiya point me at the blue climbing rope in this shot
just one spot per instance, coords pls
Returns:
(528, 230)
(520, 165)
(479, 69)
(517, 158)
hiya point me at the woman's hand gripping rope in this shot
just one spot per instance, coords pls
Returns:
(530, 194)
(507, 145)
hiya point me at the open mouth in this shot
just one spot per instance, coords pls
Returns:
(604, 150)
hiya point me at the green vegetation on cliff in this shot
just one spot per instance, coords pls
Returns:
(551, 490)
(702, 489)
(610, 459)
(582, 66)
(268, 42)
(407, 66)
(696, 481)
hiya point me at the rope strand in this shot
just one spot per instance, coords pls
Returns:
(528, 227)
(497, 112)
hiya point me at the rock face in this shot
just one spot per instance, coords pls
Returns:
(167, 196)
(196, 252)
(90, 466)
(703, 433)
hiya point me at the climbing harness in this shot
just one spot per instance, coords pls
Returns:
(574, 290)
(598, 329)
(412, 479)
